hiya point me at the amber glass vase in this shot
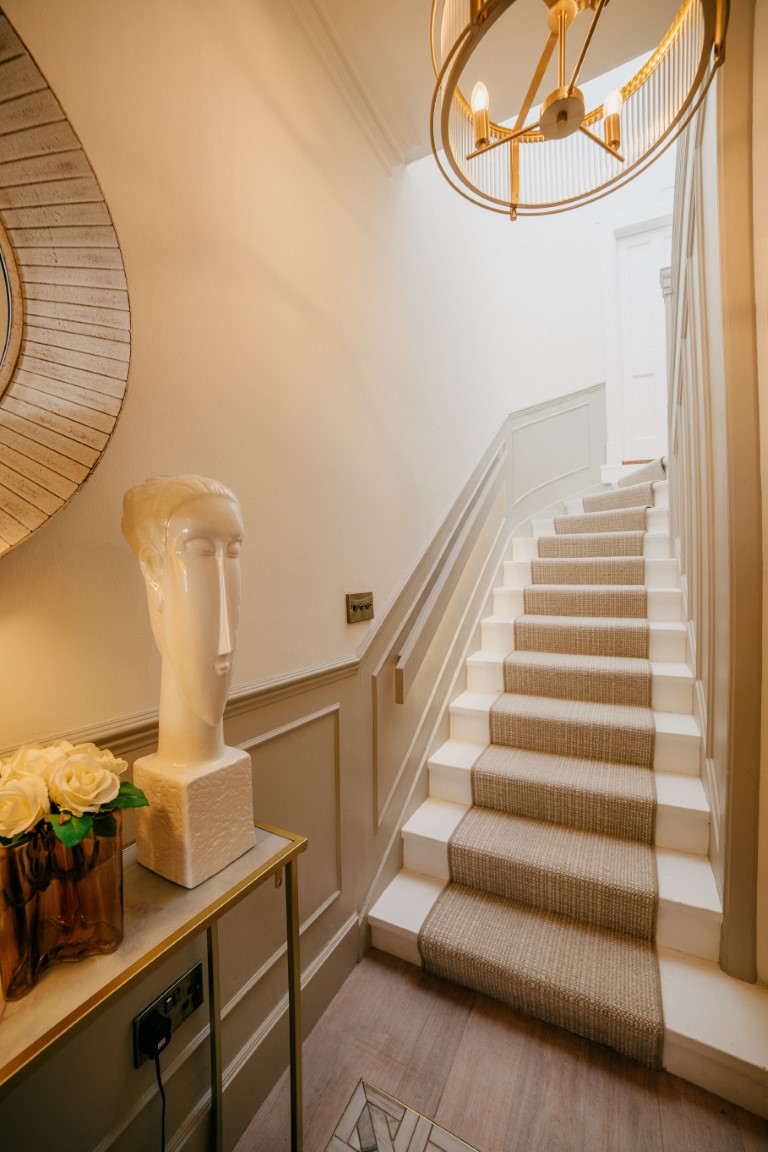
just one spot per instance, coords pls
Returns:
(24, 872)
(65, 903)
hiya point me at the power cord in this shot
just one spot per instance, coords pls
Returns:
(162, 1097)
(155, 1035)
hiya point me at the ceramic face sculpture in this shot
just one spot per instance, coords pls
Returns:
(186, 532)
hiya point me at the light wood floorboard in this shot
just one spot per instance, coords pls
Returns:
(501, 1081)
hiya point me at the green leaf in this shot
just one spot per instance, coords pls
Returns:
(71, 829)
(129, 796)
(104, 824)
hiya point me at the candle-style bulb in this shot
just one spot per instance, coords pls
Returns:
(612, 118)
(480, 98)
(613, 103)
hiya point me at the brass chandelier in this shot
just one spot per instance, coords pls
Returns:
(558, 158)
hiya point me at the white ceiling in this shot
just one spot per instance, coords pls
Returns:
(379, 54)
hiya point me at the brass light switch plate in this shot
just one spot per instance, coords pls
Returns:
(359, 606)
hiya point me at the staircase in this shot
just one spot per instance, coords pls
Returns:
(519, 672)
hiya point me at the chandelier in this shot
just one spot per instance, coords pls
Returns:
(557, 155)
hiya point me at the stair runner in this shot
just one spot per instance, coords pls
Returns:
(553, 895)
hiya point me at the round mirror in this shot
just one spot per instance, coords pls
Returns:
(65, 325)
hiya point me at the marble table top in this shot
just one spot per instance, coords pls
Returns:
(159, 916)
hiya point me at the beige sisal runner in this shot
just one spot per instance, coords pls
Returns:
(619, 520)
(595, 570)
(553, 896)
(574, 728)
(582, 635)
(602, 679)
(591, 544)
(594, 795)
(631, 496)
(600, 984)
(617, 600)
(600, 880)
(652, 471)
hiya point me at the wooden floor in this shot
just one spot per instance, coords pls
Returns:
(501, 1081)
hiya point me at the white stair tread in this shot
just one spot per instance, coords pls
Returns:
(405, 904)
(457, 754)
(670, 723)
(474, 701)
(435, 819)
(658, 573)
(711, 1009)
(673, 790)
(662, 604)
(655, 544)
(687, 880)
(659, 668)
(676, 724)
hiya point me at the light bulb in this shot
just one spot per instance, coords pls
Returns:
(480, 102)
(612, 119)
(480, 98)
(612, 103)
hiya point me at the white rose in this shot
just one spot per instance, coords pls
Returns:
(101, 756)
(23, 802)
(34, 760)
(81, 784)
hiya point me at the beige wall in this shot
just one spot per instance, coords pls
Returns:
(342, 347)
(336, 344)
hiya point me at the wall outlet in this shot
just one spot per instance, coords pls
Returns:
(359, 606)
(177, 1003)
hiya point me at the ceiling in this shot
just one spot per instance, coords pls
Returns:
(379, 55)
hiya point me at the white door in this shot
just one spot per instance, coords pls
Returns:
(642, 342)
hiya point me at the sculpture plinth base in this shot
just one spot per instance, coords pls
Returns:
(199, 820)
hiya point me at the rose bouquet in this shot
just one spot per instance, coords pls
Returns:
(60, 857)
(63, 784)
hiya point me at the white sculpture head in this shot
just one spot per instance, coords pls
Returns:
(186, 532)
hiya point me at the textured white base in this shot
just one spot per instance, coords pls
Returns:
(199, 820)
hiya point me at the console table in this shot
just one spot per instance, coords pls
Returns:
(160, 917)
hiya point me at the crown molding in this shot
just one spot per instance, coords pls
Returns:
(352, 85)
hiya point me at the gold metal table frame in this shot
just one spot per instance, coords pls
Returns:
(70, 996)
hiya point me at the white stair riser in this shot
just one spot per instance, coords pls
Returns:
(666, 645)
(387, 939)
(658, 573)
(695, 931)
(664, 604)
(656, 546)
(673, 752)
(669, 694)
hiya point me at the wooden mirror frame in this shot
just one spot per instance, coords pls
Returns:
(64, 374)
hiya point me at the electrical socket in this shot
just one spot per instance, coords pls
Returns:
(177, 1003)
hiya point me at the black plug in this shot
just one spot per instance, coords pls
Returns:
(154, 1034)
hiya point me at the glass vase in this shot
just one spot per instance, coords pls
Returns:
(81, 909)
(24, 871)
(57, 903)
